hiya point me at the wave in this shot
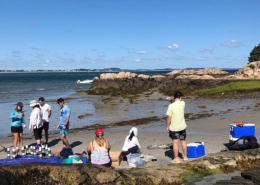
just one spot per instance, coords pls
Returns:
(40, 89)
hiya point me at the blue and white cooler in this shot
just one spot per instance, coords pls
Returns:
(237, 131)
(195, 149)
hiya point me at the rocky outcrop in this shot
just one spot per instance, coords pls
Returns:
(250, 71)
(81, 174)
(205, 71)
(176, 79)
(86, 174)
(120, 75)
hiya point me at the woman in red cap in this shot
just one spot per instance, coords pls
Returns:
(98, 150)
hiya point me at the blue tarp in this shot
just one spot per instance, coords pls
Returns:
(28, 159)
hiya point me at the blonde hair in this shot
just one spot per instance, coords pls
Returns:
(100, 141)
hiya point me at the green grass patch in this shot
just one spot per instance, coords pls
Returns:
(240, 86)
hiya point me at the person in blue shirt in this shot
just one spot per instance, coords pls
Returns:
(17, 124)
(64, 121)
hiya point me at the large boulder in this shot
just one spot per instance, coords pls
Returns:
(195, 77)
(211, 71)
(122, 75)
(145, 77)
(251, 70)
(174, 72)
(158, 77)
(106, 76)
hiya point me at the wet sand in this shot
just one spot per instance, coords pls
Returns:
(207, 120)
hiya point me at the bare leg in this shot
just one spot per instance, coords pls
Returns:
(21, 140)
(65, 141)
(184, 148)
(15, 139)
(175, 148)
(38, 141)
(46, 136)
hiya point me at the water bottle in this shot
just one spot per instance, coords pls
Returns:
(31, 150)
(14, 153)
(23, 154)
(8, 150)
(26, 150)
(43, 152)
(49, 152)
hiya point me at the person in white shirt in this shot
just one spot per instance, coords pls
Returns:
(46, 111)
(131, 144)
(36, 122)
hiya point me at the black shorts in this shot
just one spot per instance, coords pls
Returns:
(132, 150)
(178, 135)
(17, 129)
(37, 133)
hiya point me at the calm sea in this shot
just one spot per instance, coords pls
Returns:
(24, 87)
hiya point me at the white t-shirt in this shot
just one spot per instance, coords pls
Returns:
(45, 111)
(129, 144)
(36, 118)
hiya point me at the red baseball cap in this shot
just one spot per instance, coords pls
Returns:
(99, 132)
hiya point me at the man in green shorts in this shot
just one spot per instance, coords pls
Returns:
(64, 121)
(176, 125)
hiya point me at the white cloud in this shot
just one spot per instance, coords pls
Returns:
(142, 52)
(161, 47)
(233, 44)
(130, 51)
(35, 48)
(101, 55)
(221, 58)
(173, 47)
(138, 60)
(234, 41)
(47, 61)
(238, 58)
(206, 50)
(37, 55)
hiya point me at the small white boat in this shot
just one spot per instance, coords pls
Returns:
(84, 81)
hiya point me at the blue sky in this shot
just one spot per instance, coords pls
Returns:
(150, 34)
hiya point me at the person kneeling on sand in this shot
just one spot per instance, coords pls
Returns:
(98, 150)
(131, 144)
(176, 126)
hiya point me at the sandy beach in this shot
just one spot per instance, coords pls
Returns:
(207, 120)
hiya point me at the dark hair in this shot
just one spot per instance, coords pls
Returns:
(41, 99)
(37, 105)
(131, 136)
(60, 100)
(177, 94)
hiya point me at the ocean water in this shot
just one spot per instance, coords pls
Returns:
(24, 87)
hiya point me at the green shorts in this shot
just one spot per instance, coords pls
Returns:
(63, 132)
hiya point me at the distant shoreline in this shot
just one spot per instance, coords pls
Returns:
(108, 71)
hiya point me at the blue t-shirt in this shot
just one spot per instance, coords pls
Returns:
(64, 113)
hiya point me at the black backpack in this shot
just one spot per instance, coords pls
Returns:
(65, 153)
(243, 143)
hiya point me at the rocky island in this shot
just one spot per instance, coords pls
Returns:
(185, 80)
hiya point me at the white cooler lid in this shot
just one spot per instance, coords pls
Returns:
(195, 144)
